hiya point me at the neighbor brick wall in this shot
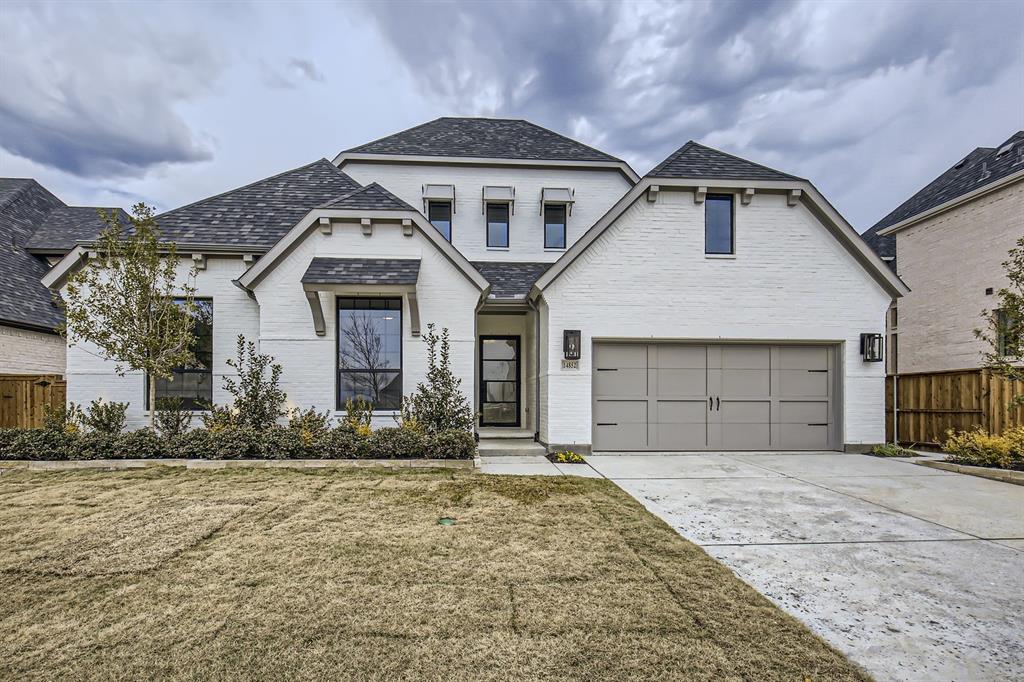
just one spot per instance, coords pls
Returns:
(948, 261)
(30, 352)
(648, 277)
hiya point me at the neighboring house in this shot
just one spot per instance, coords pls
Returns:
(712, 304)
(948, 242)
(34, 226)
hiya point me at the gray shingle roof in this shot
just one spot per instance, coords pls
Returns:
(65, 225)
(510, 279)
(362, 271)
(372, 197)
(694, 160)
(258, 214)
(884, 246)
(24, 300)
(494, 138)
(981, 167)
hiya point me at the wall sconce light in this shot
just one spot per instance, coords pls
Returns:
(871, 347)
(571, 344)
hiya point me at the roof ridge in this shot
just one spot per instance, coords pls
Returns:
(406, 130)
(29, 182)
(566, 137)
(242, 187)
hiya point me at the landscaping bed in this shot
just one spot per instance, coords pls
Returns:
(285, 574)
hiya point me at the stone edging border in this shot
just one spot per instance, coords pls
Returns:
(1004, 475)
(124, 464)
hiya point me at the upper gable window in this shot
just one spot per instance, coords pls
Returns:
(439, 213)
(719, 230)
(554, 226)
(497, 225)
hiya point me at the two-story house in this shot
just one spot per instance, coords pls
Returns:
(712, 304)
(948, 242)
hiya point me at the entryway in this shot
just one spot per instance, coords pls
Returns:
(500, 380)
(693, 396)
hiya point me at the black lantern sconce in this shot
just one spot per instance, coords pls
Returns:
(571, 344)
(871, 347)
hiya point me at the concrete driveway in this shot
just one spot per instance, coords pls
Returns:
(915, 573)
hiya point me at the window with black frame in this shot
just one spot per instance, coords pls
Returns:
(370, 351)
(439, 213)
(554, 226)
(193, 384)
(719, 233)
(497, 225)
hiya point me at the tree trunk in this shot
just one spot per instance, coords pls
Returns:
(152, 402)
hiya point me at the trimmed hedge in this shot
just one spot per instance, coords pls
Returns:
(277, 442)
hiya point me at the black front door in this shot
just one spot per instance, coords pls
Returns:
(499, 381)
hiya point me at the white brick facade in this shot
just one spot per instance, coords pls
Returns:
(647, 277)
(948, 262)
(23, 351)
(595, 192)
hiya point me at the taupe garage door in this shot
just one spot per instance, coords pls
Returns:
(674, 396)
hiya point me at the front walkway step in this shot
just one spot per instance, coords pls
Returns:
(505, 447)
(504, 432)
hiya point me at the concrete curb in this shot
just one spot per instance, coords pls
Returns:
(1004, 475)
(124, 464)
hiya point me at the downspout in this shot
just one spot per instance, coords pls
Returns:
(536, 368)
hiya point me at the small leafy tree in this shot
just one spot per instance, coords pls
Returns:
(106, 417)
(1004, 329)
(129, 303)
(438, 405)
(172, 419)
(259, 400)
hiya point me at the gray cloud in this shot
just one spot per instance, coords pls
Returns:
(289, 77)
(99, 97)
(820, 89)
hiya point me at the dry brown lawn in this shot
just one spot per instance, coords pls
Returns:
(346, 574)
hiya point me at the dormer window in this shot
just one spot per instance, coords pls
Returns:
(719, 232)
(497, 226)
(556, 206)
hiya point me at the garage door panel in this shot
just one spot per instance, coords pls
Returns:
(801, 383)
(620, 424)
(621, 411)
(741, 383)
(679, 382)
(746, 436)
(620, 356)
(803, 357)
(675, 356)
(745, 411)
(802, 437)
(620, 382)
(803, 411)
(746, 357)
(680, 436)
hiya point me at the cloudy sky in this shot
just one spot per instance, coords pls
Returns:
(106, 104)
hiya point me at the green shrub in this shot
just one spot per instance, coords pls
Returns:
(258, 397)
(892, 450)
(106, 417)
(310, 425)
(344, 443)
(979, 448)
(438, 404)
(219, 417)
(41, 444)
(94, 445)
(194, 444)
(452, 444)
(237, 443)
(281, 443)
(358, 414)
(7, 438)
(396, 443)
(63, 418)
(140, 444)
(171, 418)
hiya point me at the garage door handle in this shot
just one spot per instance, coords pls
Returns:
(711, 403)
(607, 369)
(718, 404)
(607, 423)
(825, 424)
(818, 370)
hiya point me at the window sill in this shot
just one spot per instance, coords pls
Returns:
(720, 256)
(554, 249)
(498, 248)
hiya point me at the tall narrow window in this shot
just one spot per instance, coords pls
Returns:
(193, 384)
(719, 236)
(497, 225)
(370, 351)
(554, 226)
(440, 215)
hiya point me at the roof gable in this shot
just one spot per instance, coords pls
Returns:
(694, 160)
(490, 138)
(372, 197)
(981, 167)
(260, 213)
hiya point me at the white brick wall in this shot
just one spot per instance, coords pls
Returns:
(648, 277)
(90, 377)
(596, 191)
(30, 352)
(445, 296)
(948, 262)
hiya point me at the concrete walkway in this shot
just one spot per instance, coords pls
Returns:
(915, 573)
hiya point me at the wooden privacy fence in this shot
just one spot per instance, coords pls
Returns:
(22, 398)
(931, 403)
